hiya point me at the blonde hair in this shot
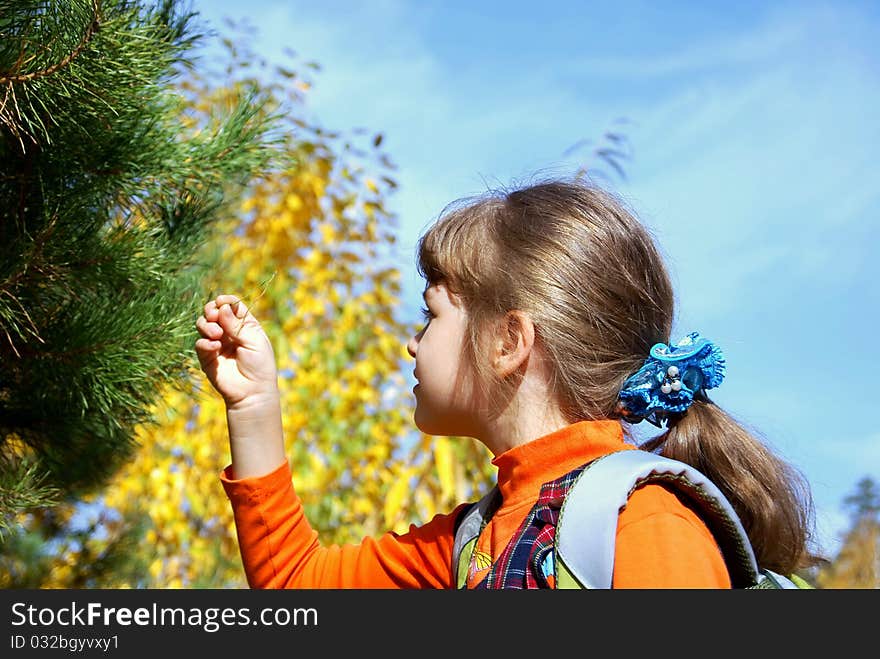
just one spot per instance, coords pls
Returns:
(591, 278)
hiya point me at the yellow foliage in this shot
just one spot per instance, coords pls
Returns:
(857, 565)
(427, 504)
(396, 498)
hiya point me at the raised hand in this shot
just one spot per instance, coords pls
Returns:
(234, 352)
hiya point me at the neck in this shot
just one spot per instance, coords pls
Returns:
(506, 433)
(525, 419)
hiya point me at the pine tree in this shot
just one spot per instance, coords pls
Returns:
(106, 196)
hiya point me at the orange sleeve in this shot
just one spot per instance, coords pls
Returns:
(662, 543)
(279, 548)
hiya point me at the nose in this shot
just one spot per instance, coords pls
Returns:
(413, 344)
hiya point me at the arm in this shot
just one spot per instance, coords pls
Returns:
(237, 357)
(278, 546)
(280, 549)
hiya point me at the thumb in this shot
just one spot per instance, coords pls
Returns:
(233, 318)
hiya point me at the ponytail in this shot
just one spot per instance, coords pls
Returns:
(771, 498)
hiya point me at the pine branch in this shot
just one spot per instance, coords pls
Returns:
(106, 198)
(22, 485)
(90, 31)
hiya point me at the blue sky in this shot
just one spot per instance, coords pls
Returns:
(753, 130)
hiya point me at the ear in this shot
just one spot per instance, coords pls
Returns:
(513, 345)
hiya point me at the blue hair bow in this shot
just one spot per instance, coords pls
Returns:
(669, 378)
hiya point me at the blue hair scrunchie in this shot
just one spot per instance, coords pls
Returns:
(669, 378)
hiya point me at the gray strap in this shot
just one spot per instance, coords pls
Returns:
(587, 527)
(775, 580)
(470, 526)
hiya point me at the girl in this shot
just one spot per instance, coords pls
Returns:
(543, 304)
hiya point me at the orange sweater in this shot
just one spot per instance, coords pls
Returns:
(661, 543)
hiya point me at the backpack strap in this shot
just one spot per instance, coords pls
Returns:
(468, 528)
(587, 526)
(768, 579)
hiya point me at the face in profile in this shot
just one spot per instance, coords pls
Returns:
(444, 401)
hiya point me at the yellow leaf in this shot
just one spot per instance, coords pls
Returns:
(395, 499)
(328, 233)
(427, 504)
(294, 202)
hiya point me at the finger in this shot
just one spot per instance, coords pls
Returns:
(240, 309)
(207, 350)
(220, 300)
(229, 321)
(208, 329)
(210, 310)
(207, 346)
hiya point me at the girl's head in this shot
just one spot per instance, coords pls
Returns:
(575, 260)
(591, 279)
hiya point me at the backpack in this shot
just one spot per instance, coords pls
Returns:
(587, 524)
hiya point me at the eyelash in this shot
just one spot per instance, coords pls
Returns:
(426, 314)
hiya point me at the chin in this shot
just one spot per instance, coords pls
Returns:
(423, 424)
(426, 423)
(432, 425)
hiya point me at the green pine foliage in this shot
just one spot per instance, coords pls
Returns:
(107, 195)
(35, 552)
